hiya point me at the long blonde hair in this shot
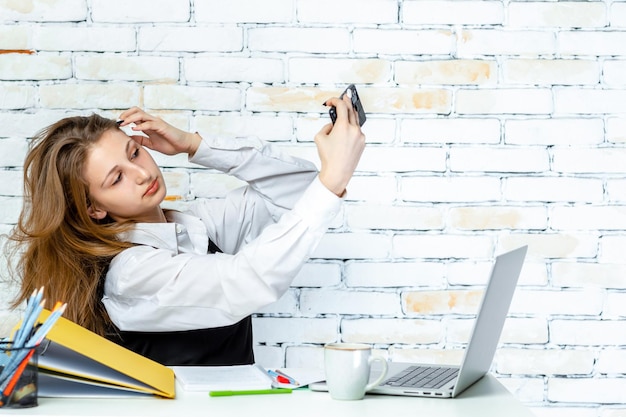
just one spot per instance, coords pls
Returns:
(55, 243)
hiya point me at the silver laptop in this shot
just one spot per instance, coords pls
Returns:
(443, 381)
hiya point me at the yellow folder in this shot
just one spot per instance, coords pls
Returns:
(74, 361)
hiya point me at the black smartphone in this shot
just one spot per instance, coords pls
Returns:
(356, 103)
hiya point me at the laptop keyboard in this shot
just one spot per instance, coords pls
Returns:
(423, 377)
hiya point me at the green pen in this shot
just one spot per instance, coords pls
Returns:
(250, 392)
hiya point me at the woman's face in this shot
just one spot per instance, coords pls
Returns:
(124, 181)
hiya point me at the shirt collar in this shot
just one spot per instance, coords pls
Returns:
(181, 233)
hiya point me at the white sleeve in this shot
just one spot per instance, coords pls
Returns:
(150, 289)
(260, 164)
(275, 182)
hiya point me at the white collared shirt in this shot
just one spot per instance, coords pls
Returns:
(267, 231)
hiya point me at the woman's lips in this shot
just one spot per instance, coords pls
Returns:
(153, 188)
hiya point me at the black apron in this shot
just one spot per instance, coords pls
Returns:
(229, 345)
(218, 346)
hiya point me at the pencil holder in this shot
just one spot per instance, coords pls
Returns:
(19, 384)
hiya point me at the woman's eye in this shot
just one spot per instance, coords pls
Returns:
(117, 179)
(134, 154)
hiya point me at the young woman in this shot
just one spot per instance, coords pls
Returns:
(177, 287)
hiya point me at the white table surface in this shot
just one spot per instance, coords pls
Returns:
(486, 398)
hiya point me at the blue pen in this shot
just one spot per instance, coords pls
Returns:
(29, 307)
(30, 316)
(41, 332)
(27, 324)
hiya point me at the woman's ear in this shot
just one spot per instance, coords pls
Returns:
(96, 213)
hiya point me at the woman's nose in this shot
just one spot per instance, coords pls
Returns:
(142, 174)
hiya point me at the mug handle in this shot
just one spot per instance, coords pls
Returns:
(382, 376)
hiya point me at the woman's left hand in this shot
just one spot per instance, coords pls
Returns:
(340, 146)
(161, 136)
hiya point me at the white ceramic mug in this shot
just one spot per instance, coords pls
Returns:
(347, 367)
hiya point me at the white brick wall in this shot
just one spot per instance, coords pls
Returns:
(491, 124)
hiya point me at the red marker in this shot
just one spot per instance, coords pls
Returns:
(282, 379)
(284, 375)
(279, 378)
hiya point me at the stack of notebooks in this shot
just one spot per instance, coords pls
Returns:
(75, 362)
(244, 377)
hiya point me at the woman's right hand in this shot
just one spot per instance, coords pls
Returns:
(161, 136)
(340, 146)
